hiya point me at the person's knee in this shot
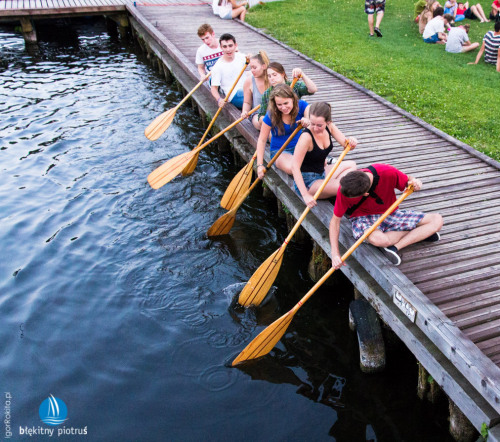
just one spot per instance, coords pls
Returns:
(436, 220)
(379, 239)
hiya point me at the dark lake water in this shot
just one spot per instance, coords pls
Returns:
(113, 299)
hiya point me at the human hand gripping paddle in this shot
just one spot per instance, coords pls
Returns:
(173, 167)
(161, 123)
(261, 281)
(223, 225)
(241, 182)
(189, 169)
(269, 337)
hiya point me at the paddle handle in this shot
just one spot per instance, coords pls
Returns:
(346, 255)
(193, 90)
(236, 81)
(282, 148)
(222, 132)
(317, 194)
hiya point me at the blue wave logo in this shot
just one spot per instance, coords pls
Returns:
(53, 411)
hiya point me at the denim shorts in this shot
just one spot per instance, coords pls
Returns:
(432, 39)
(309, 179)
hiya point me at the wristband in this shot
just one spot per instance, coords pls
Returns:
(260, 165)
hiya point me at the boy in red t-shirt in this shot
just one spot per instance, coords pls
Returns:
(366, 194)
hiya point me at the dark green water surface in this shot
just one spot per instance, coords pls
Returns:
(113, 299)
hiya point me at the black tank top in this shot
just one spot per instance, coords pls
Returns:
(314, 160)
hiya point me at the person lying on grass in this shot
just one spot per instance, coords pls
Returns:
(434, 31)
(458, 40)
(309, 165)
(364, 195)
(285, 111)
(475, 11)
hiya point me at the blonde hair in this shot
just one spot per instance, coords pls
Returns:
(263, 59)
(282, 91)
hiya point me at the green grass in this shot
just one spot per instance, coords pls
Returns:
(438, 87)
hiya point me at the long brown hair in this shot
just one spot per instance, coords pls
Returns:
(282, 91)
(278, 67)
(321, 109)
(263, 59)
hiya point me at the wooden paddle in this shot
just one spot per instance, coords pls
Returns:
(261, 281)
(223, 225)
(268, 338)
(189, 169)
(173, 167)
(240, 183)
(161, 123)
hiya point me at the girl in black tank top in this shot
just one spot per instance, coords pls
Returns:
(309, 160)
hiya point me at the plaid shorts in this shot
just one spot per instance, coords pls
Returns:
(400, 220)
(372, 6)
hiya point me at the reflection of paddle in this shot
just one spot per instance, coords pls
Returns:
(240, 183)
(161, 123)
(261, 281)
(268, 338)
(223, 225)
(173, 167)
(189, 169)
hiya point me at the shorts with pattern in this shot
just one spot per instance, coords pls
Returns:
(372, 6)
(398, 221)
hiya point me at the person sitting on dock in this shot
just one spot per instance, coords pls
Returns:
(366, 194)
(285, 111)
(209, 52)
(255, 85)
(226, 71)
(277, 75)
(309, 159)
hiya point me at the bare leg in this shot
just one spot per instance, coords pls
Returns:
(284, 163)
(256, 123)
(370, 23)
(333, 185)
(471, 47)
(431, 223)
(239, 12)
(380, 16)
(481, 13)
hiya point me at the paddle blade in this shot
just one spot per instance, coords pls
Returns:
(169, 170)
(223, 225)
(189, 169)
(238, 186)
(160, 124)
(261, 281)
(266, 339)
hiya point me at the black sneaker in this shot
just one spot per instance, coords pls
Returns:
(392, 254)
(377, 31)
(433, 238)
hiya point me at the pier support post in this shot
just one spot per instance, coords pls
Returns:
(364, 318)
(319, 264)
(28, 30)
(460, 427)
(301, 236)
(427, 387)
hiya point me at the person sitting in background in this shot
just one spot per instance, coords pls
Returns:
(229, 9)
(491, 48)
(434, 31)
(419, 8)
(458, 40)
(450, 7)
(463, 11)
(277, 75)
(495, 10)
(364, 195)
(226, 71)
(255, 85)
(209, 52)
(427, 15)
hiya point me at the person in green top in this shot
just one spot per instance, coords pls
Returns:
(277, 75)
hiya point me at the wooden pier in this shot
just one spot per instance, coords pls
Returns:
(452, 285)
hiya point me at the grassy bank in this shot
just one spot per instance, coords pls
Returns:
(423, 79)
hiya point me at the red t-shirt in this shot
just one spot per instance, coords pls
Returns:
(390, 179)
(497, 3)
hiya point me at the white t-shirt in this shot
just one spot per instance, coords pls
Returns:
(435, 25)
(208, 56)
(456, 38)
(224, 74)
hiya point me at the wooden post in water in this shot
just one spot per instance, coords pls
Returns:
(427, 387)
(460, 427)
(319, 264)
(28, 31)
